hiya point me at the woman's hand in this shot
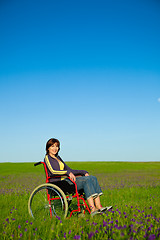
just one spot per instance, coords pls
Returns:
(72, 176)
(86, 174)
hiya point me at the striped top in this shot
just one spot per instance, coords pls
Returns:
(59, 168)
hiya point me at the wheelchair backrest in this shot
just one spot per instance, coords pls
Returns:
(45, 169)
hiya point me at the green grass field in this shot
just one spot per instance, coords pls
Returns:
(132, 188)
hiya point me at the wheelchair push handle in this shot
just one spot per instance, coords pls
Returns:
(38, 163)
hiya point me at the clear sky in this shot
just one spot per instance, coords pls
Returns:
(85, 72)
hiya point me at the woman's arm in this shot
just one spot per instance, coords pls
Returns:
(53, 166)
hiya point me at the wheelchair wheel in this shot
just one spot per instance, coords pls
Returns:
(47, 200)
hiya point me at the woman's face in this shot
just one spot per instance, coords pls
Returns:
(53, 150)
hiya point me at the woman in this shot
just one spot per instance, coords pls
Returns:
(89, 184)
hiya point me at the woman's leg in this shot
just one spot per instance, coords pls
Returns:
(97, 202)
(92, 190)
(95, 183)
(98, 190)
(91, 204)
(85, 183)
(98, 205)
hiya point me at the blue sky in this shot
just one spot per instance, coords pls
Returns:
(85, 72)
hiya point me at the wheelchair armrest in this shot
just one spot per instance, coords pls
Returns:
(58, 176)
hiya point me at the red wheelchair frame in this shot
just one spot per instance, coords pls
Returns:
(76, 195)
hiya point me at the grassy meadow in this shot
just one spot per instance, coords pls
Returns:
(133, 189)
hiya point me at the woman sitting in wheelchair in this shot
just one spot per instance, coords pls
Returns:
(89, 184)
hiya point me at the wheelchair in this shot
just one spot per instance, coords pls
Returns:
(54, 199)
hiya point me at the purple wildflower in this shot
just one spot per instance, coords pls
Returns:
(19, 226)
(77, 237)
(94, 223)
(90, 235)
(151, 237)
(104, 223)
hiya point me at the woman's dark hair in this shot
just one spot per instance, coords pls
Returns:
(50, 142)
